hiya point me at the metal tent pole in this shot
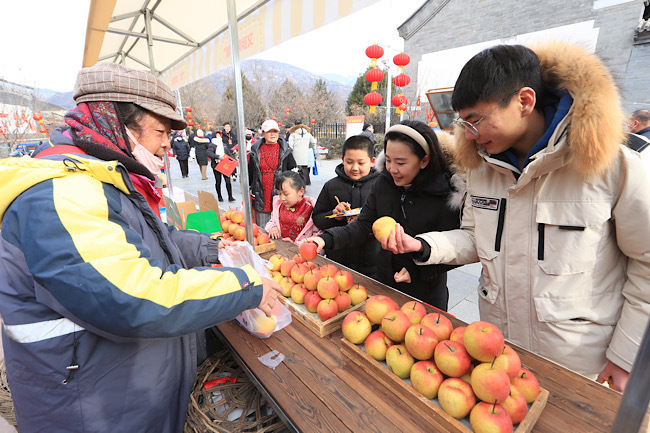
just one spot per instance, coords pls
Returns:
(239, 105)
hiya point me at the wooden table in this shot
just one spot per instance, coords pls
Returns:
(318, 389)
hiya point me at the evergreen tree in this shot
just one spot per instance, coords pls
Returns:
(355, 105)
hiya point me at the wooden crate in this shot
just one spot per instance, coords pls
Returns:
(312, 321)
(265, 248)
(442, 421)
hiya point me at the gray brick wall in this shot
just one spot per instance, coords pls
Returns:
(465, 22)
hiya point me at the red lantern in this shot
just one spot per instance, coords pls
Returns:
(402, 107)
(401, 80)
(313, 121)
(273, 118)
(190, 124)
(401, 59)
(280, 123)
(188, 109)
(374, 75)
(398, 100)
(374, 51)
(372, 99)
(190, 117)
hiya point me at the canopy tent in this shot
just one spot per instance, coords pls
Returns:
(182, 42)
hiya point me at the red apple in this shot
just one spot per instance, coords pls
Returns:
(311, 279)
(256, 230)
(327, 288)
(420, 341)
(457, 334)
(376, 345)
(356, 327)
(399, 361)
(358, 294)
(286, 266)
(515, 405)
(508, 361)
(298, 292)
(312, 299)
(452, 358)
(327, 309)
(440, 324)
(378, 306)
(328, 270)
(298, 272)
(395, 324)
(426, 378)
(296, 258)
(344, 278)
(483, 341)
(490, 418)
(489, 383)
(237, 216)
(240, 234)
(311, 265)
(414, 310)
(308, 250)
(527, 383)
(263, 238)
(456, 397)
(343, 301)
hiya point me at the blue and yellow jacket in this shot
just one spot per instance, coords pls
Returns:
(99, 298)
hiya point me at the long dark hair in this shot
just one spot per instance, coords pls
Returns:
(437, 162)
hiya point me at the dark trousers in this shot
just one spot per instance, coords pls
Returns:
(217, 178)
(182, 163)
(304, 172)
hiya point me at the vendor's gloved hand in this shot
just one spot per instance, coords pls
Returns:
(269, 295)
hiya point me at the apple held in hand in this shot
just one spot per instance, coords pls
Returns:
(327, 288)
(308, 250)
(515, 405)
(343, 301)
(490, 418)
(356, 327)
(452, 358)
(420, 341)
(527, 383)
(440, 324)
(489, 383)
(399, 361)
(358, 294)
(426, 378)
(414, 310)
(377, 344)
(312, 299)
(263, 325)
(508, 361)
(395, 324)
(327, 309)
(378, 306)
(456, 397)
(383, 227)
(344, 278)
(483, 341)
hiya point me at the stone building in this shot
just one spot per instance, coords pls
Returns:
(443, 34)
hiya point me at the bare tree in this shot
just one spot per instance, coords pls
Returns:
(203, 98)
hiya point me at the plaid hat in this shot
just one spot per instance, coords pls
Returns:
(117, 83)
(269, 125)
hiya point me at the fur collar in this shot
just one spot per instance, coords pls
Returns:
(597, 119)
(297, 127)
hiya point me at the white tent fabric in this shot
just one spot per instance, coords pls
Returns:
(189, 39)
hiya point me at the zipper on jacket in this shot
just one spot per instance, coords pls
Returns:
(401, 203)
(73, 367)
(540, 241)
(502, 217)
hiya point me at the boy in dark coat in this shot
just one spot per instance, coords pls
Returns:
(352, 186)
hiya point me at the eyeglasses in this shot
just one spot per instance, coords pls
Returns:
(471, 126)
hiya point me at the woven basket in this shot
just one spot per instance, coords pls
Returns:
(6, 403)
(228, 407)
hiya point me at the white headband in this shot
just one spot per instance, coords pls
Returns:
(412, 133)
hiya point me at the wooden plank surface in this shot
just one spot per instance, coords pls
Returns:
(320, 390)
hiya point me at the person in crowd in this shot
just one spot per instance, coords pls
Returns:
(229, 138)
(350, 189)
(638, 126)
(368, 131)
(554, 207)
(216, 153)
(302, 143)
(249, 139)
(292, 210)
(100, 300)
(269, 157)
(415, 189)
(182, 153)
(201, 143)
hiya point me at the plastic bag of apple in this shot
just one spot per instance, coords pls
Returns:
(457, 366)
(232, 225)
(324, 290)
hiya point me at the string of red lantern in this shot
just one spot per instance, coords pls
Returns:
(189, 118)
(39, 118)
(374, 76)
(401, 80)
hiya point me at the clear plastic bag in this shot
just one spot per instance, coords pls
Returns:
(242, 253)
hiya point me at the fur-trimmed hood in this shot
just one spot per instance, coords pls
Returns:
(297, 127)
(596, 117)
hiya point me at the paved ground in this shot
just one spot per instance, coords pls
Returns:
(462, 282)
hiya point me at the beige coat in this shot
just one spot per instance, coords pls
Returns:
(570, 277)
(301, 142)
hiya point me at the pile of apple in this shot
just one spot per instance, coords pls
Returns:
(455, 365)
(232, 225)
(326, 291)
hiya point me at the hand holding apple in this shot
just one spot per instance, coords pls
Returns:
(270, 290)
(400, 243)
(308, 250)
(318, 241)
(383, 227)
